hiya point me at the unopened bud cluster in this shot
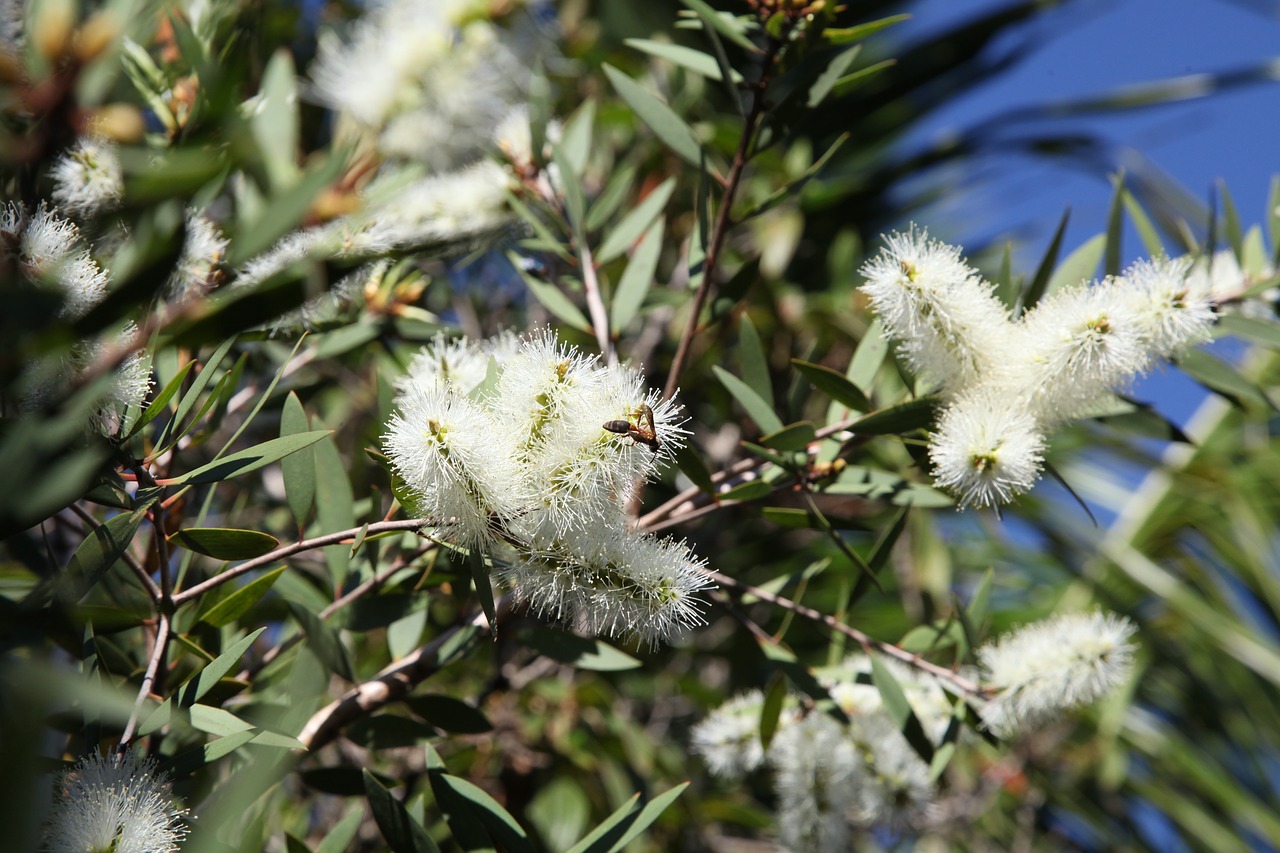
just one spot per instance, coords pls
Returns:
(838, 775)
(529, 451)
(1009, 383)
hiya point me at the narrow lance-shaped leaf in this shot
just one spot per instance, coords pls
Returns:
(660, 118)
(245, 461)
(635, 222)
(636, 279)
(299, 469)
(756, 406)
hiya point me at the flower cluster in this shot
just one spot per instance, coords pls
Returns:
(427, 80)
(834, 777)
(1009, 383)
(49, 253)
(530, 451)
(88, 179)
(115, 805)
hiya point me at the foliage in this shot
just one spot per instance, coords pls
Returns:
(251, 530)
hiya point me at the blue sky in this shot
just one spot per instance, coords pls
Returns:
(1092, 48)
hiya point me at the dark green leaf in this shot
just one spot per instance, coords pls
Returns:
(162, 399)
(771, 709)
(1115, 226)
(867, 359)
(611, 197)
(100, 550)
(402, 833)
(693, 467)
(627, 822)
(225, 544)
(752, 490)
(1039, 284)
(754, 361)
(794, 437)
(760, 410)
(899, 710)
(834, 385)
(186, 763)
(324, 642)
(455, 795)
(205, 680)
(299, 469)
(283, 212)
(899, 419)
(388, 731)
(727, 26)
(555, 301)
(335, 505)
(450, 714)
(235, 605)
(582, 652)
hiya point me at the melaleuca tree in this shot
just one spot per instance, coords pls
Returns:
(446, 426)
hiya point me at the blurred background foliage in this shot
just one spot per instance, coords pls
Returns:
(563, 730)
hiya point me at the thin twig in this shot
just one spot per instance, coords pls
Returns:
(163, 630)
(868, 644)
(294, 548)
(724, 216)
(595, 304)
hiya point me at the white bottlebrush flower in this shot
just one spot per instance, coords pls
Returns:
(430, 79)
(1223, 282)
(986, 449)
(610, 582)
(1074, 347)
(817, 773)
(88, 178)
(458, 364)
(728, 740)
(203, 250)
(1043, 669)
(114, 805)
(49, 252)
(1173, 314)
(946, 319)
(895, 789)
(446, 213)
(442, 446)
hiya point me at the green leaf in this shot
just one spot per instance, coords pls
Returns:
(343, 833)
(225, 544)
(404, 634)
(204, 681)
(611, 197)
(771, 709)
(1273, 217)
(283, 212)
(191, 398)
(402, 833)
(100, 550)
(754, 361)
(581, 652)
(483, 585)
(554, 300)
(793, 437)
(1231, 220)
(1250, 329)
(299, 469)
(861, 32)
(1220, 377)
(249, 460)
(335, 505)
(570, 186)
(1146, 229)
(274, 122)
(1039, 284)
(752, 490)
(692, 466)
(1079, 266)
(833, 384)
(636, 278)
(636, 222)
(978, 604)
(186, 763)
(660, 118)
(825, 81)
(238, 603)
(726, 25)
(323, 641)
(157, 406)
(450, 714)
(625, 825)
(899, 419)
(899, 710)
(760, 410)
(575, 140)
(216, 721)
(686, 57)
(455, 794)
(867, 359)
